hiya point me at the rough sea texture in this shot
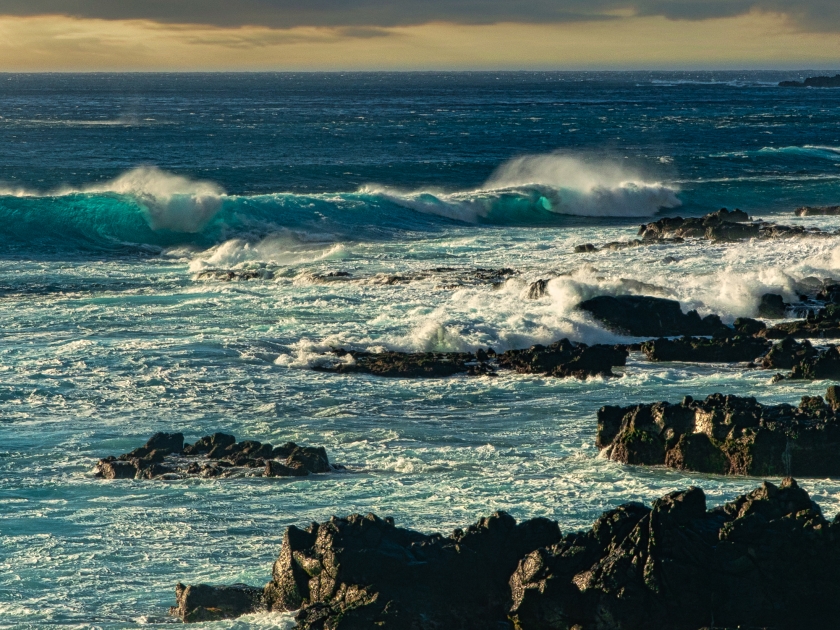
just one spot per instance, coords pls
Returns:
(118, 191)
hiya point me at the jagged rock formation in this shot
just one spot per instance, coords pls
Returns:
(645, 316)
(824, 323)
(726, 435)
(768, 559)
(165, 456)
(723, 225)
(734, 349)
(561, 359)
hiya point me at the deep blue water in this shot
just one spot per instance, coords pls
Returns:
(117, 191)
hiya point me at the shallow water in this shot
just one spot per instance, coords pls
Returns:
(110, 334)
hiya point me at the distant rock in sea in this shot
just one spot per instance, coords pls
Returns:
(817, 82)
(165, 456)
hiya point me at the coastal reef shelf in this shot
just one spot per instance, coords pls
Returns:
(165, 456)
(768, 559)
(727, 435)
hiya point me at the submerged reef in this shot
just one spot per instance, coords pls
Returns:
(165, 456)
(561, 359)
(727, 435)
(768, 559)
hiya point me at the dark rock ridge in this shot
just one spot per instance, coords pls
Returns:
(768, 559)
(823, 323)
(816, 211)
(723, 225)
(734, 349)
(165, 456)
(803, 360)
(201, 603)
(561, 359)
(726, 435)
(817, 82)
(645, 316)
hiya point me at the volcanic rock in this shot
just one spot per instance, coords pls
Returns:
(725, 435)
(768, 559)
(364, 572)
(214, 456)
(772, 306)
(645, 316)
(825, 323)
(561, 359)
(200, 602)
(735, 349)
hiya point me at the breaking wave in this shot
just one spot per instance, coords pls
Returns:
(150, 207)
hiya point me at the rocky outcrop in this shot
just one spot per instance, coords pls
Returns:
(645, 316)
(363, 571)
(728, 349)
(768, 559)
(723, 225)
(165, 456)
(772, 306)
(803, 360)
(817, 211)
(201, 603)
(565, 358)
(725, 435)
(561, 359)
(815, 82)
(825, 323)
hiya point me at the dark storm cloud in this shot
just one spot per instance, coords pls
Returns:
(814, 14)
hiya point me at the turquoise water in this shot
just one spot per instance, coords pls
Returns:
(120, 191)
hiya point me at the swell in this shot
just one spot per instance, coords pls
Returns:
(150, 207)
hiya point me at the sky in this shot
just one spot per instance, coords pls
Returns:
(175, 35)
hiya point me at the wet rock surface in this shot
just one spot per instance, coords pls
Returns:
(723, 225)
(769, 559)
(200, 602)
(560, 359)
(817, 211)
(734, 349)
(165, 456)
(726, 435)
(646, 316)
(766, 560)
(824, 323)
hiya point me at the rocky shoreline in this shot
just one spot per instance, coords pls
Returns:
(560, 359)
(769, 559)
(165, 456)
(727, 435)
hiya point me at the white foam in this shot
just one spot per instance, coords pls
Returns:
(563, 184)
(279, 249)
(595, 187)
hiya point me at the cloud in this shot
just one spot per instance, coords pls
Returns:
(819, 15)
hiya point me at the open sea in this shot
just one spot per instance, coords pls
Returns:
(118, 192)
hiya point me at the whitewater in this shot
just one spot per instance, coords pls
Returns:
(178, 253)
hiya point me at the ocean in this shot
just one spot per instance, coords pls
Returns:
(125, 198)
